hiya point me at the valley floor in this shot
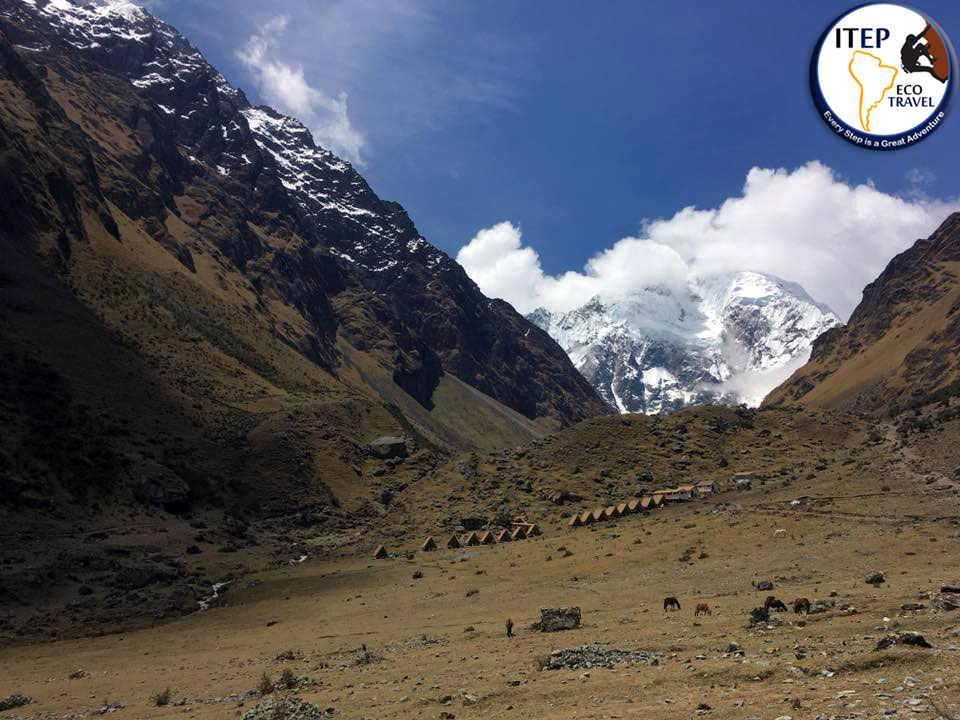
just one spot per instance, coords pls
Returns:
(377, 643)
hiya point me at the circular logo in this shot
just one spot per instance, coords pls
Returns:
(883, 76)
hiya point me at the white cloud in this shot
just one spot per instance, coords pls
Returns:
(285, 87)
(805, 225)
(499, 263)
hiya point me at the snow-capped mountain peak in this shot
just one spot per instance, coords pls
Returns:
(728, 338)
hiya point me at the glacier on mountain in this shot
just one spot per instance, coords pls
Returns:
(729, 338)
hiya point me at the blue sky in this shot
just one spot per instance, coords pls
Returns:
(575, 124)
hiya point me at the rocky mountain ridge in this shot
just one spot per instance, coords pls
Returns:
(408, 301)
(902, 342)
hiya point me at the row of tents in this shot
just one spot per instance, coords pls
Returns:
(658, 498)
(519, 531)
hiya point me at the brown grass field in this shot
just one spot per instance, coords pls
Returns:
(437, 644)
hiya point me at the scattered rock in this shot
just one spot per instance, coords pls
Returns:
(763, 585)
(874, 577)
(286, 656)
(553, 619)
(109, 708)
(288, 708)
(595, 656)
(14, 701)
(473, 523)
(135, 578)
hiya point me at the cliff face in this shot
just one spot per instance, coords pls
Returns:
(901, 343)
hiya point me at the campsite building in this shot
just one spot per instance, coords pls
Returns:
(706, 487)
(503, 536)
(429, 545)
(586, 517)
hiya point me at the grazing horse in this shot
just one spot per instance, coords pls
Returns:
(801, 605)
(702, 609)
(671, 602)
(773, 604)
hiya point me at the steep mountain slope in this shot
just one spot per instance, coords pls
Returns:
(204, 320)
(154, 149)
(902, 342)
(729, 339)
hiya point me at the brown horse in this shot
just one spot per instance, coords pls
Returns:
(801, 605)
(773, 604)
(671, 602)
(702, 609)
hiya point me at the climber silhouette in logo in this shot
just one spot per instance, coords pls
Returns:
(925, 45)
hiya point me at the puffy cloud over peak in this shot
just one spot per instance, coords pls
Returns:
(805, 225)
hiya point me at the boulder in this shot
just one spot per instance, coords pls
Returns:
(763, 585)
(903, 638)
(554, 619)
(945, 602)
(388, 447)
(559, 497)
(874, 577)
(158, 485)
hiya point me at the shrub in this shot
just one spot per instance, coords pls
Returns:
(759, 616)
(162, 698)
(266, 685)
(288, 678)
